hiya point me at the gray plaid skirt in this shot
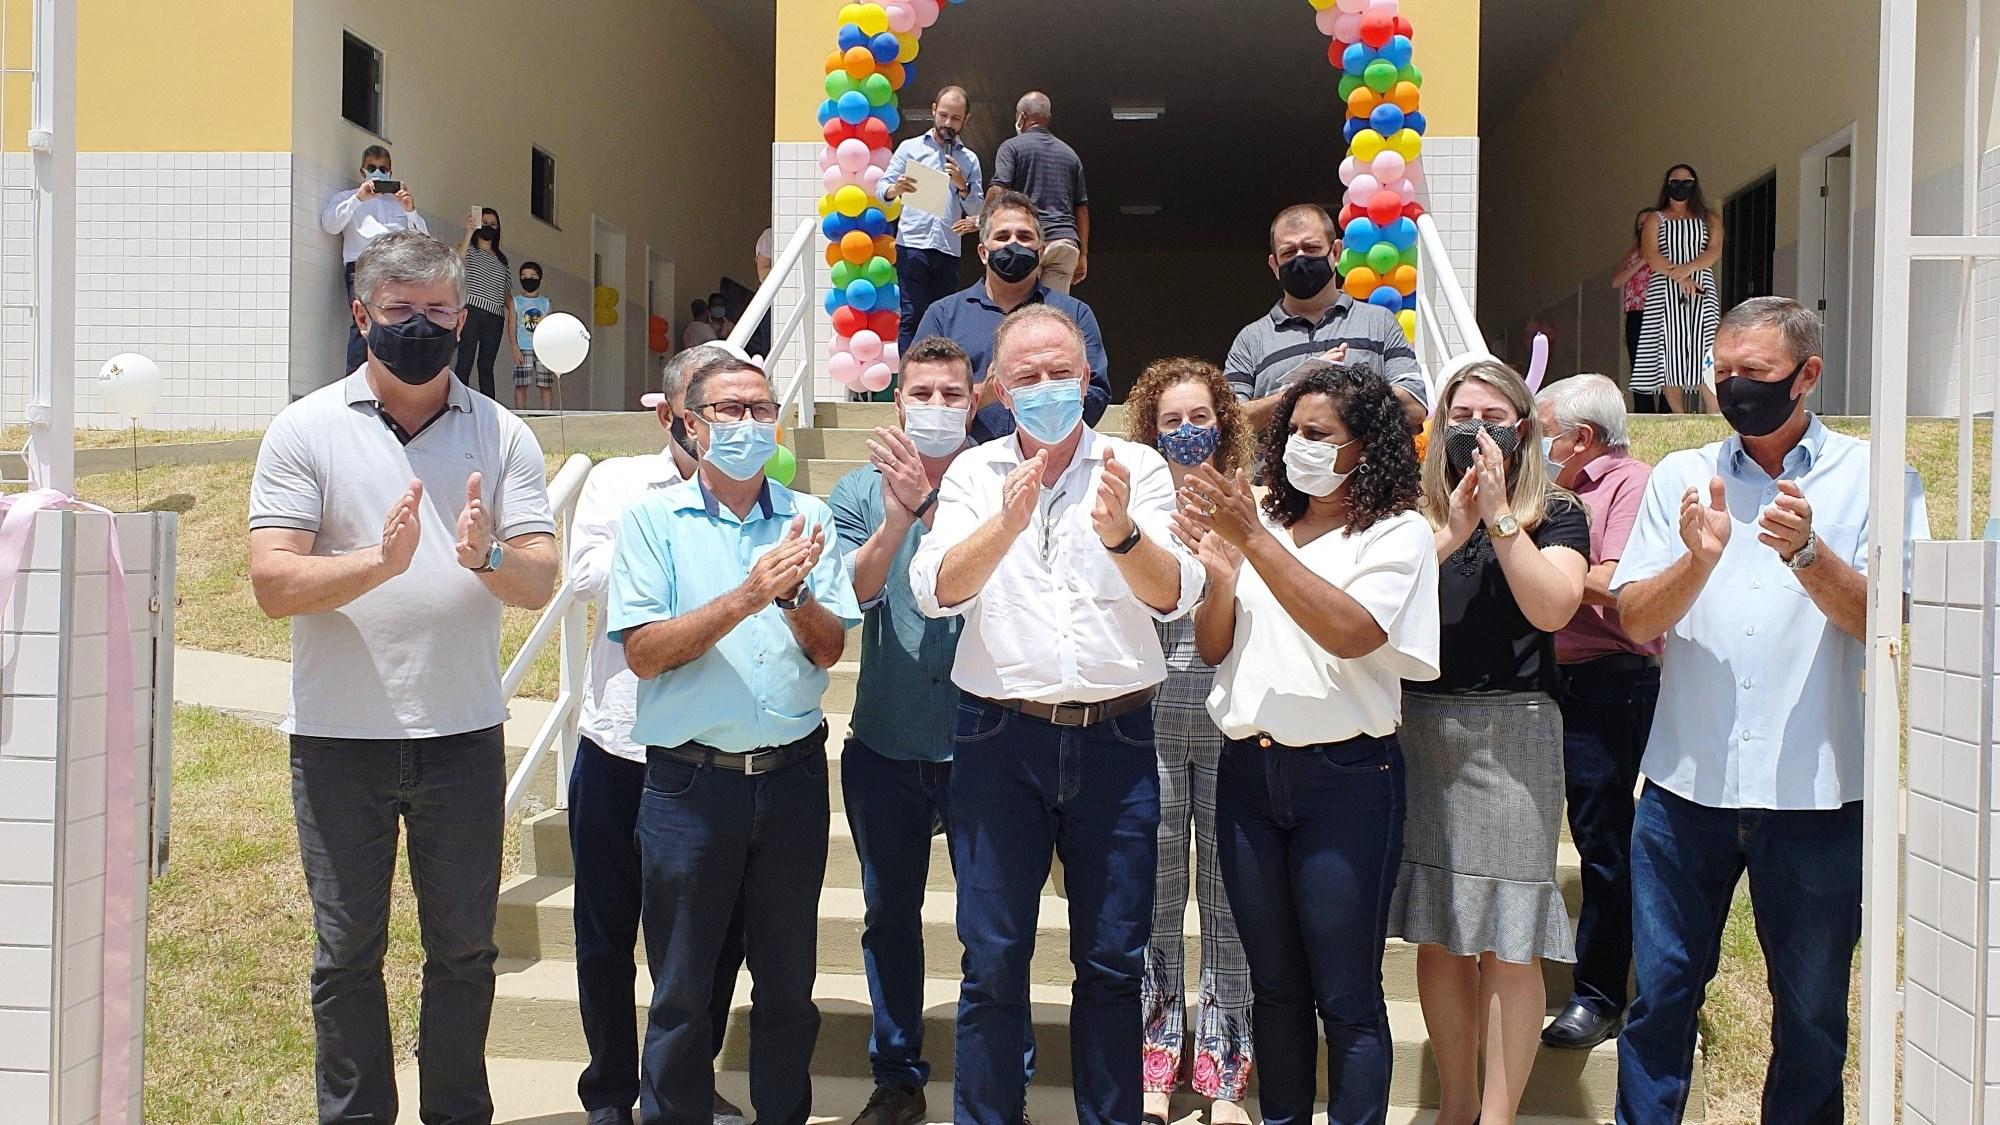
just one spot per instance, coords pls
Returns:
(1485, 811)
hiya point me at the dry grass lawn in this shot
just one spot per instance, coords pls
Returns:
(13, 437)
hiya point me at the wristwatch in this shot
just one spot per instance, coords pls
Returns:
(493, 557)
(1506, 527)
(1124, 546)
(797, 599)
(929, 502)
(1807, 555)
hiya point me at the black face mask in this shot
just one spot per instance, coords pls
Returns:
(1304, 277)
(1755, 409)
(1461, 442)
(415, 351)
(1013, 262)
(489, 234)
(530, 284)
(1680, 190)
(679, 430)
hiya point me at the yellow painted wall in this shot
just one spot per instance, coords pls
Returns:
(153, 76)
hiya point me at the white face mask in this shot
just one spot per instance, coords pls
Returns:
(936, 431)
(1309, 465)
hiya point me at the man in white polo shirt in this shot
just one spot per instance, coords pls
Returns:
(391, 516)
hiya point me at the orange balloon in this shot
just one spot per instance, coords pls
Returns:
(833, 257)
(1404, 278)
(1362, 282)
(857, 247)
(1362, 102)
(885, 247)
(1405, 96)
(860, 63)
(895, 73)
(835, 61)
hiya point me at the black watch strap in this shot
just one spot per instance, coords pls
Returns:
(929, 503)
(797, 599)
(1130, 541)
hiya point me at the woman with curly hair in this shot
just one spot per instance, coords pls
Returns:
(1186, 409)
(1477, 892)
(1313, 640)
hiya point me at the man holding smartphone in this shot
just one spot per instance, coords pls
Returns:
(379, 204)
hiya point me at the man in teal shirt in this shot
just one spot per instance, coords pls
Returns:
(896, 769)
(730, 610)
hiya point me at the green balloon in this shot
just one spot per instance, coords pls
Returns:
(879, 272)
(1380, 76)
(783, 466)
(843, 273)
(877, 89)
(1351, 260)
(1408, 257)
(1411, 75)
(1382, 257)
(1348, 84)
(838, 83)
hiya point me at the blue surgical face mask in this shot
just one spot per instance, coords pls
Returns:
(741, 449)
(1189, 444)
(1049, 412)
(1555, 467)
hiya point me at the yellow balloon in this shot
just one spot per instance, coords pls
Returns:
(850, 201)
(872, 19)
(825, 206)
(850, 13)
(893, 209)
(1408, 143)
(908, 53)
(1321, 5)
(1408, 319)
(1366, 145)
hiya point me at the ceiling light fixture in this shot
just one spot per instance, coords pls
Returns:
(1137, 112)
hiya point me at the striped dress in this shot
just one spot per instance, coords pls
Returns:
(1679, 329)
(487, 282)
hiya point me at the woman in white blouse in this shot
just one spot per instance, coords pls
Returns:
(1312, 640)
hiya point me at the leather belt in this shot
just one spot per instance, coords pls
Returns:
(1076, 714)
(751, 763)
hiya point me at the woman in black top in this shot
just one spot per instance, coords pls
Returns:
(489, 287)
(1483, 744)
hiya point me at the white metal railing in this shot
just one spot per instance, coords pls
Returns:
(1438, 276)
(793, 339)
(563, 620)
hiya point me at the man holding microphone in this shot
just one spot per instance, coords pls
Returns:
(927, 245)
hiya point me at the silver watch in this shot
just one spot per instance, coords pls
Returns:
(1807, 555)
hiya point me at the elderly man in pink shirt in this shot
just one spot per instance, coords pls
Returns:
(1609, 688)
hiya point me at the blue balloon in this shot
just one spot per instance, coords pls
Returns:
(885, 47)
(909, 75)
(1356, 58)
(1398, 50)
(1362, 233)
(851, 36)
(1387, 297)
(835, 298)
(861, 294)
(874, 222)
(1402, 234)
(888, 296)
(891, 117)
(854, 107)
(1414, 121)
(1410, 302)
(828, 111)
(1386, 119)
(1353, 127)
(834, 226)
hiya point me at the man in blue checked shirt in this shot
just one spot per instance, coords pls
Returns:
(730, 609)
(927, 245)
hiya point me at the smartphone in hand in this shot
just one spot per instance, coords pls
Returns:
(388, 187)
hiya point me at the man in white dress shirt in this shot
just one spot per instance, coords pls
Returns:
(1054, 545)
(609, 776)
(380, 203)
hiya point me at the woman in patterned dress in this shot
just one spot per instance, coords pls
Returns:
(1186, 409)
(1681, 242)
(1631, 279)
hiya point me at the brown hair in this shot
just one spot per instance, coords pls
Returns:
(1142, 408)
(1300, 213)
(939, 349)
(1530, 490)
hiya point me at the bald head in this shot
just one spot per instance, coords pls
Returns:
(1033, 108)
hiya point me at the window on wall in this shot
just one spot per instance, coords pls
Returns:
(361, 83)
(1750, 238)
(542, 187)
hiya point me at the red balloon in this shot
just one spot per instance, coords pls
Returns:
(835, 131)
(1348, 214)
(1404, 29)
(847, 320)
(1413, 211)
(1384, 206)
(1377, 27)
(874, 133)
(1336, 52)
(883, 323)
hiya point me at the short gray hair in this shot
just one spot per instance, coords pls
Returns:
(1799, 325)
(1038, 314)
(407, 257)
(1034, 105)
(1588, 400)
(708, 363)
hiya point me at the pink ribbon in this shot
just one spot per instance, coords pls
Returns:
(121, 889)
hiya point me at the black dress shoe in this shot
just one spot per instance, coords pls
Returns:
(893, 1105)
(610, 1117)
(1579, 1029)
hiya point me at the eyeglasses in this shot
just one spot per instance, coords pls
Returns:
(729, 410)
(444, 316)
(371, 169)
(1049, 525)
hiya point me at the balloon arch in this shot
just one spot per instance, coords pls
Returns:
(874, 60)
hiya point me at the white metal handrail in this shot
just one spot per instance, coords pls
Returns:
(1435, 270)
(793, 264)
(563, 619)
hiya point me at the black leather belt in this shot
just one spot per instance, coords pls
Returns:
(751, 763)
(1076, 714)
(1614, 662)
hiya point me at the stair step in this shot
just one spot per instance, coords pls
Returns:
(535, 1016)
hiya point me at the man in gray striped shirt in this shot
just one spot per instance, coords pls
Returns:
(1314, 319)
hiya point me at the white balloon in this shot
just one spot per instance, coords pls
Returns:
(129, 384)
(561, 343)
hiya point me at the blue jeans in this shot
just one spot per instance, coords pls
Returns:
(1805, 889)
(350, 796)
(709, 838)
(1607, 708)
(1022, 789)
(894, 808)
(923, 277)
(1310, 840)
(604, 792)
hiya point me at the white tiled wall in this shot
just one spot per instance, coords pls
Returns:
(317, 340)
(1952, 846)
(1451, 195)
(795, 192)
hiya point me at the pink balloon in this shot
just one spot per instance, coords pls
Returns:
(852, 154)
(1346, 26)
(1356, 6)
(833, 179)
(902, 18)
(877, 378)
(1349, 168)
(845, 369)
(867, 346)
(1364, 186)
(880, 157)
(827, 159)
(927, 12)
(1414, 172)
(870, 178)
(841, 345)
(1407, 190)
(1389, 167)
(1538, 362)
(1326, 18)
(892, 356)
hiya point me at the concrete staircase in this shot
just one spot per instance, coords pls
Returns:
(536, 1027)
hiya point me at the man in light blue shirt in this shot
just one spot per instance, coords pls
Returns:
(927, 245)
(730, 610)
(1751, 557)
